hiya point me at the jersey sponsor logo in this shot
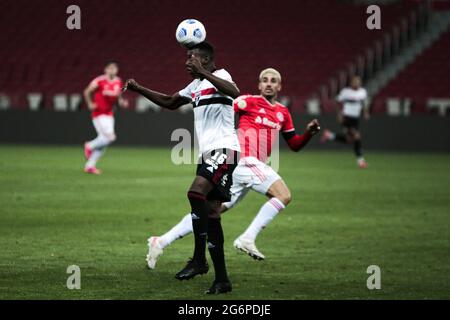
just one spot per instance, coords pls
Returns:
(114, 92)
(267, 122)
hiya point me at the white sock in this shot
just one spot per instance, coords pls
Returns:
(183, 228)
(99, 142)
(96, 154)
(266, 214)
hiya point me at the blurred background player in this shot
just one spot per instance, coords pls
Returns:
(352, 102)
(101, 96)
(211, 92)
(261, 118)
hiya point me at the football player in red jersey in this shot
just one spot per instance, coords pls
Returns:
(101, 95)
(261, 118)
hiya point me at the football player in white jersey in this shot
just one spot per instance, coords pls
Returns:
(211, 92)
(354, 102)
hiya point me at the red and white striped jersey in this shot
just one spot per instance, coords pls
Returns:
(213, 114)
(259, 125)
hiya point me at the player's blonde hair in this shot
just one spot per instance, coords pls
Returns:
(272, 71)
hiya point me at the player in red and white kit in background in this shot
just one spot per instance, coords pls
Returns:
(260, 120)
(101, 96)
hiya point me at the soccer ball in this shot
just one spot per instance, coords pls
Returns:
(190, 32)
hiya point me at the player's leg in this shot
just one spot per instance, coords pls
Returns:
(94, 149)
(199, 215)
(267, 182)
(358, 149)
(338, 137)
(184, 227)
(279, 197)
(156, 244)
(221, 282)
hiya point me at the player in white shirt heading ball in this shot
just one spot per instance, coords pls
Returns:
(211, 92)
(354, 102)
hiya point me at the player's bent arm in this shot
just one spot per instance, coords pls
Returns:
(226, 87)
(88, 95)
(163, 100)
(296, 142)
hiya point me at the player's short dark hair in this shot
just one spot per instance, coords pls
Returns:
(110, 62)
(205, 48)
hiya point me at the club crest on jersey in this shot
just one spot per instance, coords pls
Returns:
(197, 99)
(280, 116)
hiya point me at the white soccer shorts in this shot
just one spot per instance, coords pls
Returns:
(251, 173)
(104, 125)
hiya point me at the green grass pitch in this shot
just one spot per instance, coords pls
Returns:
(396, 215)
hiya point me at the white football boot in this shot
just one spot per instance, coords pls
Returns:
(154, 252)
(248, 246)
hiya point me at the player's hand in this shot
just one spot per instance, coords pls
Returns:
(366, 116)
(195, 67)
(124, 103)
(131, 85)
(91, 106)
(340, 118)
(313, 127)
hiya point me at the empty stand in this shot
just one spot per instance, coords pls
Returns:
(308, 41)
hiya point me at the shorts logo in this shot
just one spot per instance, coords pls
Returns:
(194, 216)
(280, 116)
(224, 180)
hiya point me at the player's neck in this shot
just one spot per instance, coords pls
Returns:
(271, 99)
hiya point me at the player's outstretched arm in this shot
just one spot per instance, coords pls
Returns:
(163, 100)
(296, 142)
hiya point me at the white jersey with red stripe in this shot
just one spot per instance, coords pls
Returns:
(213, 114)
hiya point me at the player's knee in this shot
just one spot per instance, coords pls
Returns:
(224, 207)
(285, 197)
(214, 214)
(193, 195)
(111, 138)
